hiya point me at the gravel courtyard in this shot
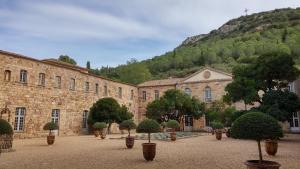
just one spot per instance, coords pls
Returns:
(86, 152)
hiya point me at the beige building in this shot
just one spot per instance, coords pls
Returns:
(33, 92)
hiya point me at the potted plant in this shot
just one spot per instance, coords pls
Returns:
(6, 135)
(257, 126)
(51, 137)
(173, 124)
(128, 125)
(99, 127)
(218, 127)
(148, 126)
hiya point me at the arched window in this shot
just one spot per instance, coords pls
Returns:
(188, 91)
(207, 94)
(7, 74)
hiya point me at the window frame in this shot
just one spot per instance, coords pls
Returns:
(207, 94)
(120, 92)
(72, 84)
(23, 76)
(188, 91)
(42, 79)
(144, 95)
(86, 86)
(156, 94)
(58, 82)
(19, 122)
(7, 75)
(85, 119)
(55, 115)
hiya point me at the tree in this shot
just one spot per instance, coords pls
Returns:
(280, 104)
(174, 104)
(109, 111)
(134, 73)
(67, 59)
(88, 65)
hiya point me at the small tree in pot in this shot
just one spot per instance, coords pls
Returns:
(6, 135)
(173, 124)
(100, 128)
(51, 137)
(257, 126)
(218, 127)
(128, 125)
(148, 126)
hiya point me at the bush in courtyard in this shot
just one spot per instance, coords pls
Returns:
(127, 125)
(217, 125)
(173, 124)
(148, 126)
(5, 127)
(99, 125)
(50, 126)
(256, 126)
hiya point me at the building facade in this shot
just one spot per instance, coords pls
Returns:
(33, 92)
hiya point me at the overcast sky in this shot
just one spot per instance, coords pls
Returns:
(110, 32)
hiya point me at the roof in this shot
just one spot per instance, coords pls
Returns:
(163, 82)
(209, 68)
(58, 63)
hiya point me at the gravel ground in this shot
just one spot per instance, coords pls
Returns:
(86, 152)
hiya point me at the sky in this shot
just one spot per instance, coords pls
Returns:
(111, 32)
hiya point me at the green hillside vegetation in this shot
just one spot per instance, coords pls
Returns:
(238, 41)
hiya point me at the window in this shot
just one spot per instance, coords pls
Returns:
(7, 74)
(144, 96)
(120, 92)
(58, 82)
(131, 95)
(156, 94)
(207, 94)
(42, 79)
(97, 88)
(19, 119)
(84, 119)
(72, 84)
(86, 86)
(55, 116)
(23, 76)
(105, 90)
(188, 91)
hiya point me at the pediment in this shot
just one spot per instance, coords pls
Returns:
(208, 74)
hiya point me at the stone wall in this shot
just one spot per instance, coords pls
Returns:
(40, 100)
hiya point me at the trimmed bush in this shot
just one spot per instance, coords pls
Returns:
(217, 125)
(173, 124)
(5, 127)
(127, 125)
(163, 124)
(148, 126)
(256, 126)
(99, 125)
(50, 126)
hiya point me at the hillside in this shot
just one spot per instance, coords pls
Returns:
(239, 40)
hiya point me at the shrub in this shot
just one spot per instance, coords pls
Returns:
(99, 125)
(127, 125)
(173, 124)
(148, 126)
(50, 126)
(163, 124)
(256, 126)
(217, 125)
(5, 127)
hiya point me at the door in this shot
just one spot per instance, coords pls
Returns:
(55, 118)
(294, 122)
(188, 123)
(85, 122)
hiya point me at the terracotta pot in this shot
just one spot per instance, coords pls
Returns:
(173, 136)
(6, 141)
(50, 139)
(96, 133)
(129, 142)
(149, 151)
(254, 164)
(271, 147)
(218, 134)
(103, 134)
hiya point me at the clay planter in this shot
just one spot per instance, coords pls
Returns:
(218, 134)
(102, 134)
(254, 164)
(149, 151)
(173, 136)
(271, 147)
(96, 133)
(6, 141)
(129, 142)
(50, 139)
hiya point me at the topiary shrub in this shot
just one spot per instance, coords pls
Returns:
(5, 128)
(50, 126)
(148, 126)
(173, 124)
(127, 125)
(99, 125)
(217, 125)
(256, 126)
